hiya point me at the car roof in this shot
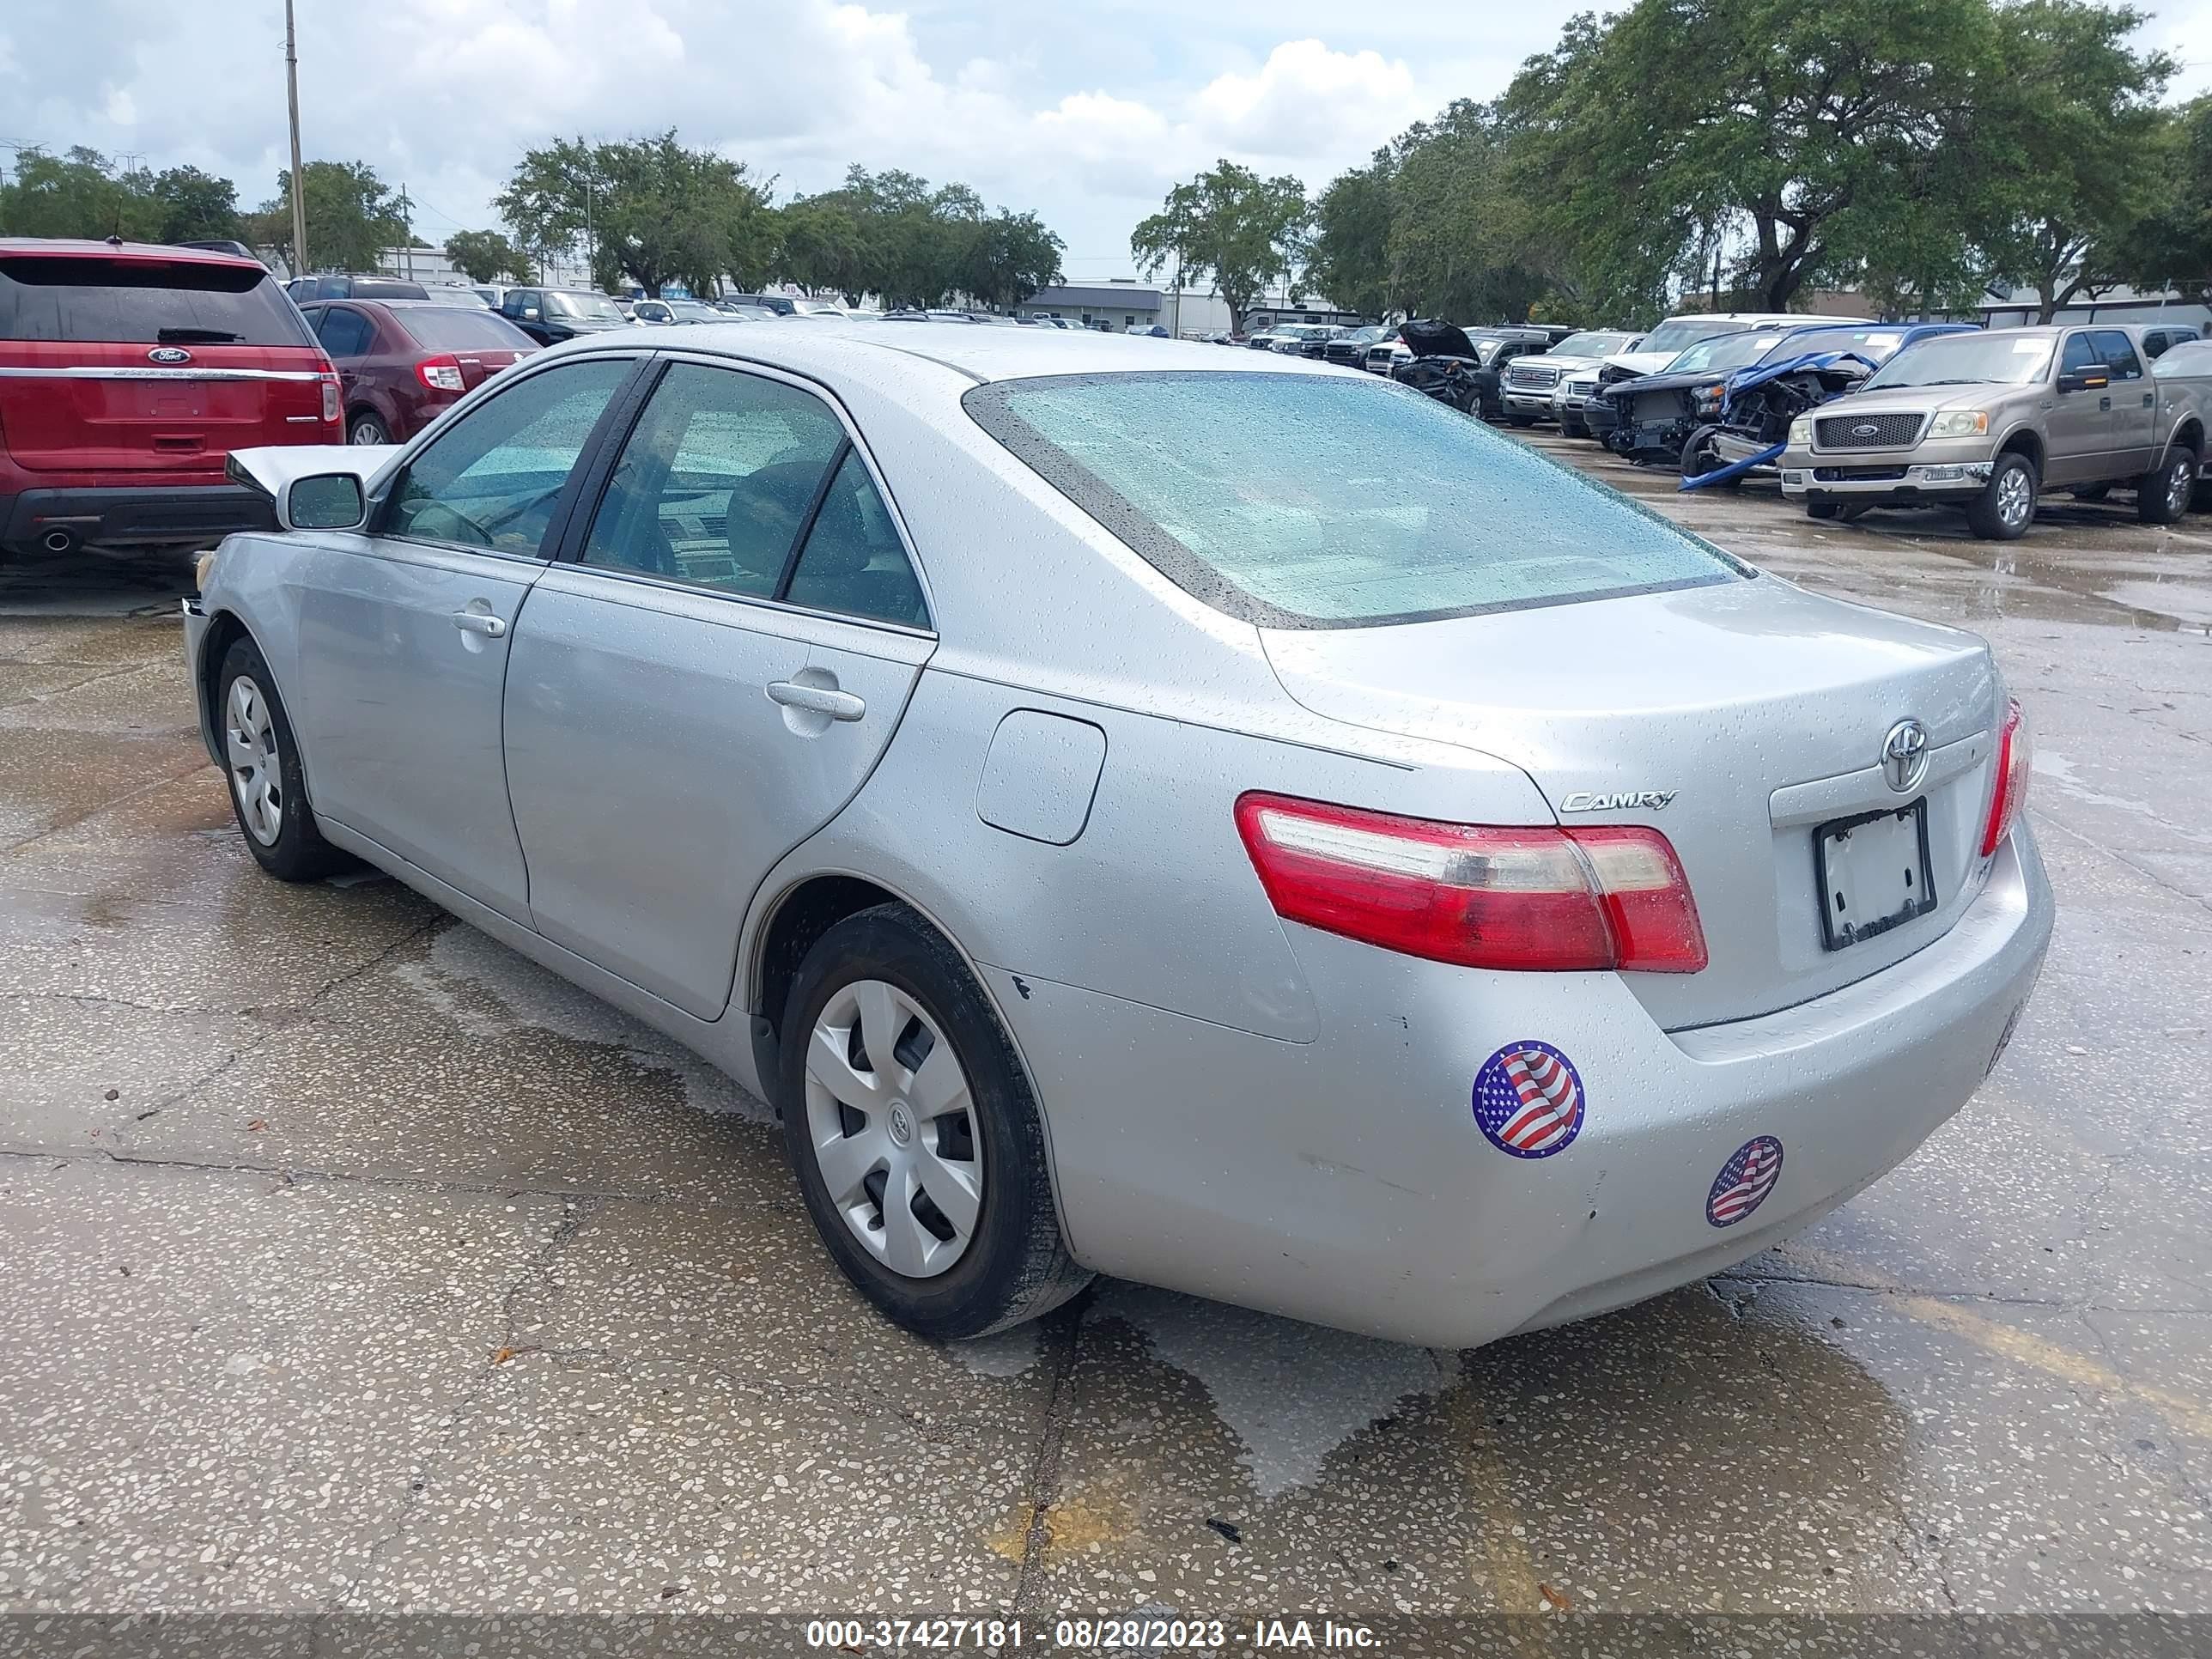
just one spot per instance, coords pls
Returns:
(838, 351)
(83, 248)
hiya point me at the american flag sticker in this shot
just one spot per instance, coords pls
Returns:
(1529, 1100)
(1744, 1181)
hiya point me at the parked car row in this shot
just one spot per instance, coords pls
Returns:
(1846, 411)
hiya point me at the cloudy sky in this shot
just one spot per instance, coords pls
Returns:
(1085, 115)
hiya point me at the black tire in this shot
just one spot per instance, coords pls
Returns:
(2164, 492)
(1699, 457)
(1851, 512)
(1016, 1265)
(1515, 417)
(366, 426)
(1573, 427)
(1821, 509)
(1986, 514)
(297, 852)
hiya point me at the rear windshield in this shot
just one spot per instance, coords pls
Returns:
(1297, 500)
(450, 328)
(43, 297)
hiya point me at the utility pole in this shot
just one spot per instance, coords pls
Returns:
(407, 229)
(292, 97)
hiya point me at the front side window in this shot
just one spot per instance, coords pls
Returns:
(1304, 502)
(491, 479)
(2080, 353)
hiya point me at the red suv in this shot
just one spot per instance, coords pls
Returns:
(128, 374)
(402, 362)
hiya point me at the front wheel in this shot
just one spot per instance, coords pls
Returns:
(917, 1143)
(2163, 494)
(1572, 426)
(1515, 417)
(2006, 507)
(268, 791)
(1701, 455)
(1822, 510)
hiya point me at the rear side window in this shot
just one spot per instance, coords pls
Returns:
(344, 333)
(135, 302)
(451, 328)
(1296, 500)
(2119, 354)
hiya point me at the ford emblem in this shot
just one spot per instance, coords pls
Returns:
(1865, 429)
(169, 354)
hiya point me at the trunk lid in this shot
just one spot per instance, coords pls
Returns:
(1758, 710)
(122, 362)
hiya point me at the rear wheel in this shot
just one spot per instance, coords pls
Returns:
(2006, 507)
(915, 1139)
(268, 791)
(368, 427)
(2162, 494)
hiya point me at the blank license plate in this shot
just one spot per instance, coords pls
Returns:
(1873, 872)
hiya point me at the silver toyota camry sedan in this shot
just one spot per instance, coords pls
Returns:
(1225, 822)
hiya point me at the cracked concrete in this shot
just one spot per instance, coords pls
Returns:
(353, 1265)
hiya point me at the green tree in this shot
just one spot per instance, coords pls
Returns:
(196, 206)
(1231, 227)
(488, 256)
(1008, 257)
(2170, 246)
(352, 216)
(1467, 239)
(77, 193)
(651, 210)
(2073, 129)
(1791, 135)
(1350, 258)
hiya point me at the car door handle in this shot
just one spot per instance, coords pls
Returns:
(2147, 400)
(837, 705)
(476, 621)
(2104, 402)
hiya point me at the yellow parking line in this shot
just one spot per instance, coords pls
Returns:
(1502, 1557)
(2008, 1342)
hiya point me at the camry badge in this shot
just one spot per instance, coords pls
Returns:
(169, 354)
(1905, 755)
(1626, 800)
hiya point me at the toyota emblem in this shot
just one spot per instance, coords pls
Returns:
(169, 354)
(1905, 755)
(1865, 429)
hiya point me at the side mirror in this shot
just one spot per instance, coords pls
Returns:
(531, 312)
(326, 500)
(2094, 377)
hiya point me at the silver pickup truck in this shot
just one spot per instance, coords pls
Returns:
(1990, 421)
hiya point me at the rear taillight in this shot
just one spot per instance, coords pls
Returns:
(440, 373)
(2015, 756)
(329, 397)
(1540, 899)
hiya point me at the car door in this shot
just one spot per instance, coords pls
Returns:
(404, 630)
(525, 308)
(708, 675)
(2081, 424)
(2135, 401)
(346, 333)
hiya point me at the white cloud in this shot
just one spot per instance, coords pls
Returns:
(1309, 102)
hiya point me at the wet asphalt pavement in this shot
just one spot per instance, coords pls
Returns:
(351, 1262)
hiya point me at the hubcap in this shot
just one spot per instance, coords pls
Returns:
(256, 768)
(2013, 500)
(2179, 482)
(367, 433)
(893, 1127)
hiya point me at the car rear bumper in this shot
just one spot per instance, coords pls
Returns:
(128, 516)
(1346, 1180)
(1877, 483)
